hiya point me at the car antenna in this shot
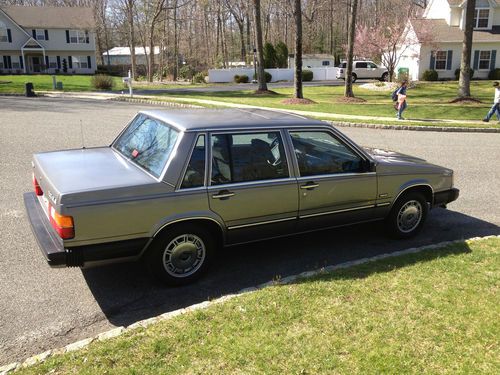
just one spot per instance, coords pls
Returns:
(81, 131)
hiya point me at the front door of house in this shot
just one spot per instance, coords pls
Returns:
(36, 64)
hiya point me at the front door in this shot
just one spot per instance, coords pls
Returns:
(251, 187)
(336, 185)
(35, 62)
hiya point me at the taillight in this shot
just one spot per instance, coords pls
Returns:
(62, 224)
(36, 186)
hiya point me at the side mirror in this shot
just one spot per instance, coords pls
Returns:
(369, 166)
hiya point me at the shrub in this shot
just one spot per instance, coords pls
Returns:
(199, 77)
(268, 76)
(102, 82)
(494, 74)
(430, 75)
(269, 56)
(307, 75)
(241, 79)
(186, 72)
(236, 78)
(457, 74)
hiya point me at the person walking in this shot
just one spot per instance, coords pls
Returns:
(401, 105)
(495, 108)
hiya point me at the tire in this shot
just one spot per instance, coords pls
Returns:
(354, 77)
(180, 255)
(407, 215)
(384, 77)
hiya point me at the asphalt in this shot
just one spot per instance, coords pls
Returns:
(43, 308)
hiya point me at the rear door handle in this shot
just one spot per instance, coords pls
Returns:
(309, 185)
(223, 194)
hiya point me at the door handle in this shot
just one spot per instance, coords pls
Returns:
(310, 185)
(223, 194)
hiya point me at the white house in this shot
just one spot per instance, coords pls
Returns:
(121, 55)
(47, 40)
(315, 60)
(444, 20)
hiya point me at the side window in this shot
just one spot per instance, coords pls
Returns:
(372, 66)
(361, 65)
(247, 157)
(320, 153)
(195, 172)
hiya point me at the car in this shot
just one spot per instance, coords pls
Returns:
(175, 186)
(363, 70)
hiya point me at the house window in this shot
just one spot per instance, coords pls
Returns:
(52, 62)
(78, 36)
(441, 57)
(3, 33)
(484, 59)
(481, 18)
(80, 62)
(325, 63)
(40, 34)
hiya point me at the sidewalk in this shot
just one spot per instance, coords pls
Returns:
(325, 115)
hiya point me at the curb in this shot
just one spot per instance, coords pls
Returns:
(155, 102)
(115, 332)
(451, 129)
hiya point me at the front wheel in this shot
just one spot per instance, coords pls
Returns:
(385, 77)
(354, 77)
(408, 215)
(180, 255)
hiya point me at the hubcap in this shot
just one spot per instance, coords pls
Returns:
(409, 216)
(184, 255)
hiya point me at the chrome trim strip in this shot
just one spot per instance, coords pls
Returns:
(312, 186)
(409, 187)
(383, 204)
(261, 223)
(335, 175)
(186, 219)
(222, 196)
(276, 181)
(337, 211)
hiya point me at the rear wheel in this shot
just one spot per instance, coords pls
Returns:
(354, 77)
(385, 77)
(180, 255)
(408, 215)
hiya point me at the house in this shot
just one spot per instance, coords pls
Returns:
(316, 60)
(121, 55)
(47, 40)
(444, 20)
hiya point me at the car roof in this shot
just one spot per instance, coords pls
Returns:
(202, 119)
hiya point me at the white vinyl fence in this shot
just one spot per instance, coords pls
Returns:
(227, 75)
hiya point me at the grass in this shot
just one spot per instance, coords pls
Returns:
(432, 312)
(426, 100)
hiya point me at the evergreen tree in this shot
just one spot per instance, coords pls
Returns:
(281, 55)
(269, 56)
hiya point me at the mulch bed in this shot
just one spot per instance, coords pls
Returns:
(344, 99)
(297, 101)
(468, 100)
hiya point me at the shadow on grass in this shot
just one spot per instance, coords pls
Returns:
(126, 293)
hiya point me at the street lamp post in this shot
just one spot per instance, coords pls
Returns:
(254, 65)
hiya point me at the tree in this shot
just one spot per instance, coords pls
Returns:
(297, 14)
(269, 56)
(258, 36)
(281, 55)
(350, 48)
(464, 81)
(238, 10)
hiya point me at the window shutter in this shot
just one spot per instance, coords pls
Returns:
(67, 36)
(493, 59)
(5, 65)
(46, 34)
(58, 62)
(33, 33)
(433, 61)
(21, 62)
(70, 62)
(449, 59)
(9, 36)
(47, 61)
(475, 65)
(89, 62)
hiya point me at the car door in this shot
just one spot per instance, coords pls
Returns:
(251, 186)
(372, 70)
(337, 183)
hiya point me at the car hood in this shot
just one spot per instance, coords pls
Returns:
(92, 174)
(388, 156)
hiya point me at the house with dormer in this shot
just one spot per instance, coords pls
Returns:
(47, 40)
(444, 21)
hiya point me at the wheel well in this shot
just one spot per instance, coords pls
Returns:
(426, 190)
(209, 225)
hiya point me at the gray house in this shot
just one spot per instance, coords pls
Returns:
(47, 40)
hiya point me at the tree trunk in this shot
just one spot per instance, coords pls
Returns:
(350, 47)
(298, 50)
(258, 35)
(464, 82)
(131, 37)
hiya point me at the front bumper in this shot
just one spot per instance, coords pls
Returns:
(444, 197)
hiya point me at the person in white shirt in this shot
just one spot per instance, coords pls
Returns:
(496, 104)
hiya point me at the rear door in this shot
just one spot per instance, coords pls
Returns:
(336, 185)
(251, 186)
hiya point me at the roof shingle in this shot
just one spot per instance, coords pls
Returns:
(51, 17)
(444, 33)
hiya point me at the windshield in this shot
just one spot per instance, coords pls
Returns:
(147, 142)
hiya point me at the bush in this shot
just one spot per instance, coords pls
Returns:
(186, 72)
(307, 75)
(268, 76)
(102, 82)
(457, 74)
(494, 74)
(241, 79)
(199, 77)
(430, 75)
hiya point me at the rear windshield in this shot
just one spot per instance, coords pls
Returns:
(147, 142)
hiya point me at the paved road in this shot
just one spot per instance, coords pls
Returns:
(42, 308)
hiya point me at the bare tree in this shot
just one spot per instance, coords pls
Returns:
(350, 47)
(258, 35)
(464, 81)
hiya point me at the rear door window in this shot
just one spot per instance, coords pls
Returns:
(195, 171)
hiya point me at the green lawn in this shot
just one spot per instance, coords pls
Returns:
(426, 100)
(432, 312)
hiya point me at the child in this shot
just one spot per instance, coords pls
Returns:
(496, 103)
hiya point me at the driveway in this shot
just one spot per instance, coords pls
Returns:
(42, 308)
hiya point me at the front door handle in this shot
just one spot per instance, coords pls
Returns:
(309, 185)
(223, 194)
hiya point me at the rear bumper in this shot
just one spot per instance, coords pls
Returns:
(444, 197)
(57, 255)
